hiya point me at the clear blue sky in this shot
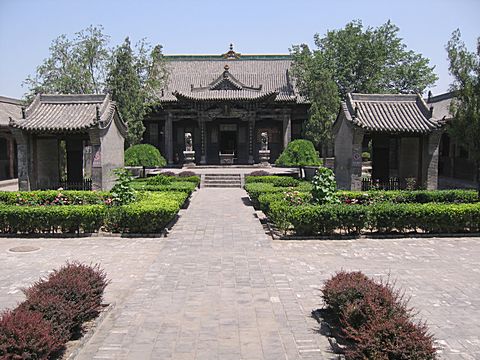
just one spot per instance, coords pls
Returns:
(27, 27)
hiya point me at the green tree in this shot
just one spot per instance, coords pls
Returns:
(134, 79)
(355, 59)
(465, 69)
(125, 87)
(75, 66)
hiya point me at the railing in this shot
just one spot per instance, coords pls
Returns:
(376, 184)
(86, 184)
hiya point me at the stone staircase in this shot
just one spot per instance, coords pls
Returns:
(221, 181)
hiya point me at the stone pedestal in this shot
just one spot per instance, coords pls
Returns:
(264, 157)
(189, 158)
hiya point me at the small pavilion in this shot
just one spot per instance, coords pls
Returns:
(69, 141)
(404, 138)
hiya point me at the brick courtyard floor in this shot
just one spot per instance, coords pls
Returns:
(219, 288)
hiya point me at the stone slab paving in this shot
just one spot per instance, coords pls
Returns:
(219, 288)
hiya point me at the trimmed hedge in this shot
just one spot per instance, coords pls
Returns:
(175, 186)
(405, 196)
(144, 155)
(159, 208)
(256, 189)
(382, 217)
(53, 197)
(51, 219)
(284, 181)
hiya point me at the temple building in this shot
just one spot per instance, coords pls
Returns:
(225, 102)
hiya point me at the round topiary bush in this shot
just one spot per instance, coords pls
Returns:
(299, 153)
(144, 155)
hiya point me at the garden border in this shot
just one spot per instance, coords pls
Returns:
(378, 236)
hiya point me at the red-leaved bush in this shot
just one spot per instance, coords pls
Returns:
(186, 173)
(26, 335)
(375, 319)
(80, 285)
(394, 338)
(54, 309)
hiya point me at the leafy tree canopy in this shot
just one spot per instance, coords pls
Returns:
(87, 65)
(465, 69)
(355, 59)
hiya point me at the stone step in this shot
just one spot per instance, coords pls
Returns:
(223, 175)
(216, 185)
(222, 180)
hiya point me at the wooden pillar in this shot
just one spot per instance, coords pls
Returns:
(203, 135)
(287, 129)
(168, 138)
(251, 138)
(11, 157)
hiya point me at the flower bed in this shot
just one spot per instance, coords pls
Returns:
(54, 310)
(374, 320)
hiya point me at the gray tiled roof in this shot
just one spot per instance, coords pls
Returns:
(70, 113)
(397, 113)
(9, 108)
(252, 77)
(441, 105)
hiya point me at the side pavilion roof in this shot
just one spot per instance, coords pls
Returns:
(68, 113)
(397, 113)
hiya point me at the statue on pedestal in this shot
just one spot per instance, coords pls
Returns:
(189, 153)
(264, 153)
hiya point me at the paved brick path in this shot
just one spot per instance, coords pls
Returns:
(218, 288)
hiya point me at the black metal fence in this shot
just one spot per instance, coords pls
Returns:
(377, 184)
(86, 184)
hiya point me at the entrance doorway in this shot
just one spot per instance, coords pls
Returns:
(228, 138)
(228, 142)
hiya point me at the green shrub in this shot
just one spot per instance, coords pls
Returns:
(284, 181)
(159, 180)
(324, 186)
(193, 179)
(144, 155)
(299, 153)
(122, 192)
(49, 219)
(158, 208)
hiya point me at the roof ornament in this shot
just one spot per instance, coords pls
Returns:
(23, 112)
(356, 111)
(431, 111)
(429, 95)
(231, 54)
